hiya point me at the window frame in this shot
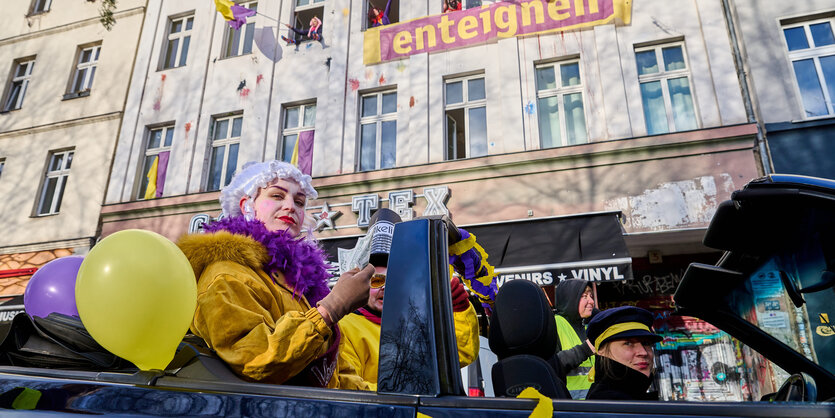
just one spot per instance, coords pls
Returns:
(183, 34)
(814, 53)
(664, 75)
(230, 32)
(226, 143)
(560, 91)
(62, 174)
(23, 80)
(465, 104)
(45, 6)
(395, 6)
(88, 68)
(378, 118)
(304, 9)
(296, 130)
(148, 152)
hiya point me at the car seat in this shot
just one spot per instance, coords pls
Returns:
(523, 335)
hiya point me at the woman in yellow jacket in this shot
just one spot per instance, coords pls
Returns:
(262, 299)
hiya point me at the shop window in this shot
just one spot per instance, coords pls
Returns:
(378, 11)
(55, 181)
(18, 85)
(40, 6)
(811, 49)
(378, 131)
(305, 11)
(155, 162)
(225, 136)
(298, 120)
(666, 94)
(239, 41)
(465, 103)
(178, 38)
(559, 94)
(84, 71)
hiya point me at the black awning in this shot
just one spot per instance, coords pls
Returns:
(545, 251)
(10, 308)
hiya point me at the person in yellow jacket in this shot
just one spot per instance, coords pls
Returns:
(574, 305)
(262, 298)
(361, 329)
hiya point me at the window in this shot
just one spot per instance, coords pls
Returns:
(55, 181)
(297, 119)
(179, 37)
(665, 88)
(85, 69)
(226, 135)
(376, 9)
(559, 96)
(2, 164)
(811, 47)
(234, 45)
(466, 117)
(155, 162)
(304, 11)
(378, 131)
(472, 4)
(19, 84)
(40, 6)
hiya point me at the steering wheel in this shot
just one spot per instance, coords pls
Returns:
(799, 387)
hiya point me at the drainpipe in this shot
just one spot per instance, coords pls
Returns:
(742, 70)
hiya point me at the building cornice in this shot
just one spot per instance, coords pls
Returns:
(69, 26)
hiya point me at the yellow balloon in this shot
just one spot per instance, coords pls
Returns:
(136, 295)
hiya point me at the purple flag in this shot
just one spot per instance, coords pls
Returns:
(240, 13)
(162, 168)
(306, 152)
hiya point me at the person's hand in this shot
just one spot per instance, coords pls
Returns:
(288, 25)
(460, 298)
(349, 293)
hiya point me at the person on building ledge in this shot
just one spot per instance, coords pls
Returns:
(624, 341)
(313, 33)
(451, 6)
(361, 329)
(263, 302)
(574, 305)
(378, 17)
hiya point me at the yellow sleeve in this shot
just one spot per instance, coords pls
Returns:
(350, 367)
(466, 334)
(233, 316)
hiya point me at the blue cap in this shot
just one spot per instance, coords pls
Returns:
(621, 322)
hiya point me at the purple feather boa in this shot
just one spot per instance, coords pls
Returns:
(302, 262)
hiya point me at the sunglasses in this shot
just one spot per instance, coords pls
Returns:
(378, 281)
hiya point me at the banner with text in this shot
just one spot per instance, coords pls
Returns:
(488, 23)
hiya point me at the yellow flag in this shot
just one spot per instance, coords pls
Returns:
(151, 191)
(225, 8)
(295, 158)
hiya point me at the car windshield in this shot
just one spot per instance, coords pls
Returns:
(766, 298)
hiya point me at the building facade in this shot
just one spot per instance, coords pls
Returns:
(598, 152)
(790, 59)
(63, 93)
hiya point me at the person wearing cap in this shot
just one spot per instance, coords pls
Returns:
(361, 329)
(263, 302)
(574, 306)
(624, 341)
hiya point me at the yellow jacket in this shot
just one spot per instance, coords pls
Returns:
(360, 345)
(258, 327)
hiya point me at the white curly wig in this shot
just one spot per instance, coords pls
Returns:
(256, 175)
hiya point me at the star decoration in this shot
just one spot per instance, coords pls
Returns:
(324, 218)
(562, 277)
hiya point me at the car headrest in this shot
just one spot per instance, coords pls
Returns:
(522, 322)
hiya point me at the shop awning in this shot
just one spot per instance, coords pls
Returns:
(545, 251)
(8, 310)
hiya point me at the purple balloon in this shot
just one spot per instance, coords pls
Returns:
(52, 288)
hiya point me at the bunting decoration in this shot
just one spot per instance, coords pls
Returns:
(470, 260)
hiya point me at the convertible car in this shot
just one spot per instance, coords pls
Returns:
(772, 290)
